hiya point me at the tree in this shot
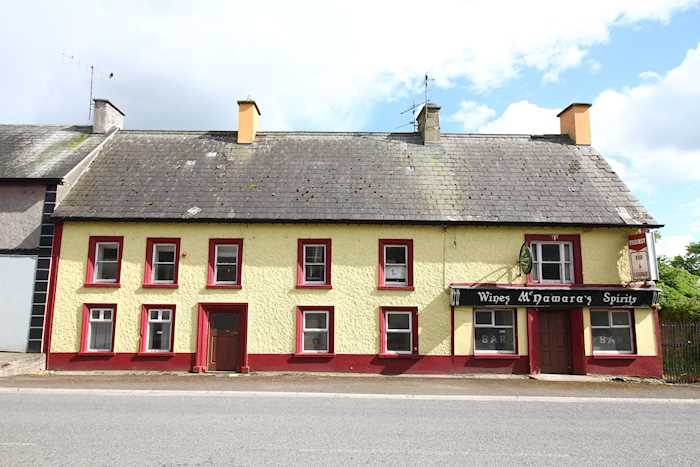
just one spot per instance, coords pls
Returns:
(680, 291)
(690, 261)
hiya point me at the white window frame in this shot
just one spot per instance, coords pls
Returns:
(630, 322)
(155, 263)
(388, 283)
(234, 264)
(159, 320)
(493, 325)
(323, 264)
(304, 329)
(408, 331)
(537, 263)
(101, 319)
(97, 261)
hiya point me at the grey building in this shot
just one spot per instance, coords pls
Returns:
(38, 166)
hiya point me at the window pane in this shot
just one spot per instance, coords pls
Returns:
(95, 314)
(535, 271)
(567, 251)
(398, 321)
(620, 318)
(567, 272)
(398, 341)
(612, 339)
(226, 253)
(159, 336)
(107, 314)
(550, 252)
(315, 273)
(101, 336)
(106, 271)
(483, 317)
(504, 317)
(226, 273)
(316, 341)
(165, 272)
(315, 320)
(599, 318)
(395, 274)
(315, 253)
(165, 315)
(535, 251)
(165, 253)
(107, 252)
(494, 339)
(551, 272)
(395, 255)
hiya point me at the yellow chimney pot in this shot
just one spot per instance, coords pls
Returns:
(575, 121)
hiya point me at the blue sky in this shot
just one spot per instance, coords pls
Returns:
(504, 66)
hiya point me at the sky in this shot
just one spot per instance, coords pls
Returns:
(494, 67)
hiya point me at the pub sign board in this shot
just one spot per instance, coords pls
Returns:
(554, 297)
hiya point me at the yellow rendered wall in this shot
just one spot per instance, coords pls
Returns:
(644, 328)
(441, 256)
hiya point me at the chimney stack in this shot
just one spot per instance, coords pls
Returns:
(429, 123)
(248, 118)
(106, 116)
(575, 122)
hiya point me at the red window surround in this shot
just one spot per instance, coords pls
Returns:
(92, 251)
(148, 272)
(86, 326)
(300, 262)
(575, 240)
(409, 266)
(300, 331)
(382, 331)
(211, 274)
(143, 349)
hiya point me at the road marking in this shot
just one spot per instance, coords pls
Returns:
(17, 444)
(340, 395)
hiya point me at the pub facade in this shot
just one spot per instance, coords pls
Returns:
(354, 252)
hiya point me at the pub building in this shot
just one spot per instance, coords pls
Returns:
(420, 252)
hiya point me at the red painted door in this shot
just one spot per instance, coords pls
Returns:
(224, 341)
(555, 341)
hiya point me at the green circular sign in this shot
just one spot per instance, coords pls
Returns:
(525, 259)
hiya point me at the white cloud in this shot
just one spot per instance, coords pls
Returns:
(524, 117)
(673, 245)
(649, 76)
(315, 65)
(472, 115)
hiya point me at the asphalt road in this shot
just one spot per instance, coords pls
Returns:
(182, 427)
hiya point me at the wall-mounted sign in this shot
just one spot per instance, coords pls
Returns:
(525, 259)
(554, 297)
(642, 257)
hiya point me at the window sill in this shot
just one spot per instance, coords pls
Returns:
(314, 286)
(156, 354)
(497, 356)
(615, 356)
(399, 356)
(160, 286)
(95, 354)
(404, 288)
(106, 285)
(222, 286)
(314, 355)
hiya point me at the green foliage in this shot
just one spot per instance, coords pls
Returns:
(690, 261)
(680, 292)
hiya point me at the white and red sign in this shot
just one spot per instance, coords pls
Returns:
(642, 257)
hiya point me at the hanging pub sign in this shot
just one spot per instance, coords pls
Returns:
(642, 257)
(554, 297)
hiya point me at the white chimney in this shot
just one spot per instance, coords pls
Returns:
(106, 117)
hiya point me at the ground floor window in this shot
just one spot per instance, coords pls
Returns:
(494, 331)
(98, 328)
(612, 331)
(315, 329)
(157, 328)
(399, 331)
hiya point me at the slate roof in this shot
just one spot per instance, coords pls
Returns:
(352, 177)
(43, 151)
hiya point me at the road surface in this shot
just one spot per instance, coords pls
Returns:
(128, 426)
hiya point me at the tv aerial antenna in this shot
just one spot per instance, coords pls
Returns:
(74, 60)
(413, 109)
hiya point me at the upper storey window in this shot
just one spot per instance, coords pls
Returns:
(396, 264)
(314, 263)
(162, 262)
(104, 261)
(556, 259)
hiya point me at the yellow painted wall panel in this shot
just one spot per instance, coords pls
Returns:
(645, 328)
(441, 256)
